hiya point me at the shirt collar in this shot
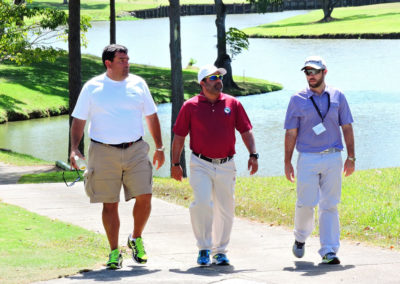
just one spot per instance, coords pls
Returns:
(309, 93)
(203, 98)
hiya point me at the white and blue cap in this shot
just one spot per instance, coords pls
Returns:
(208, 70)
(316, 62)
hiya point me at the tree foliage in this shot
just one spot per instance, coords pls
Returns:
(26, 33)
(236, 41)
(262, 5)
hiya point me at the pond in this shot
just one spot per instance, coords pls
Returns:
(365, 70)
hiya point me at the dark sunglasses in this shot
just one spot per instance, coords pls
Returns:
(309, 72)
(72, 183)
(215, 77)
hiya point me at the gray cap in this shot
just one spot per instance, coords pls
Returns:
(316, 62)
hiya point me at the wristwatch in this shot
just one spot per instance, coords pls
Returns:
(254, 155)
(176, 164)
(353, 159)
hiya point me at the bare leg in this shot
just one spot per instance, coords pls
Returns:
(141, 213)
(111, 223)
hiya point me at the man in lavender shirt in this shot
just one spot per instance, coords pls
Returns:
(313, 121)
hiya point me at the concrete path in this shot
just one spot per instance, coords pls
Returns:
(258, 253)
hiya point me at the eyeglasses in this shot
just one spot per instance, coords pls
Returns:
(72, 183)
(309, 72)
(215, 77)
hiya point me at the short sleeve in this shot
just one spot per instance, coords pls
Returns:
(182, 123)
(149, 107)
(292, 119)
(243, 123)
(81, 110)
(345, 116)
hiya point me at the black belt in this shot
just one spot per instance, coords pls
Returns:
(214, 161)
(122, 145)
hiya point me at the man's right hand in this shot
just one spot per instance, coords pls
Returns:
(289, 172)
(72, 158)
(177, 173)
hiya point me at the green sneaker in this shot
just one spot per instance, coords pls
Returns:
(138, 252)
(114, 260)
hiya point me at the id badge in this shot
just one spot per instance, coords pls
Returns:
(319, 128)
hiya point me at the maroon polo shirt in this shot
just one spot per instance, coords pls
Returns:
(212, 125)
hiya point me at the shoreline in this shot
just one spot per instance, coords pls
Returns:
(334, 36)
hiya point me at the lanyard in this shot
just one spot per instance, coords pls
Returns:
(318, 110)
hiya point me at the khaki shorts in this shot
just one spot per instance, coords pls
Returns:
(109, 168)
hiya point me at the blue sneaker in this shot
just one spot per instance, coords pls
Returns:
(204, 257)
(220, 259)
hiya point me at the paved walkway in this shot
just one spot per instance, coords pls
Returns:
(258, 253)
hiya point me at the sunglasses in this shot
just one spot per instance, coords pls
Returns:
(309, 72)
(215, 77)
(78, 178)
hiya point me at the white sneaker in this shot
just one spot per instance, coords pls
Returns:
(298, 249)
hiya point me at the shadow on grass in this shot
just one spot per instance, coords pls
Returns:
(308, 268)
(9, 103)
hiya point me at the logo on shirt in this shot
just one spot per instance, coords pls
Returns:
(227, 110)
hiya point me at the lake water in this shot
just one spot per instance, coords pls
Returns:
(365, 70)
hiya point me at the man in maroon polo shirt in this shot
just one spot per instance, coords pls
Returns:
(211, 118)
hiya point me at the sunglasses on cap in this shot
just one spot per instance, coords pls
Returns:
(309, 72)
(215, 77)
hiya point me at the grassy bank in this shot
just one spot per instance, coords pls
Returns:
(18, 159)
(99, 10)
(41, 89)
(35, 248)
(372, 21)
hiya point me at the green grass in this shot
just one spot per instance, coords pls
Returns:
(18, 159)
(51, 177)
(34, 248)
(24, 94)
(99, 10)
(369, 211)
(372, 19)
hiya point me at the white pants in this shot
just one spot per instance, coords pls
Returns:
(319, 182)
(213, 208)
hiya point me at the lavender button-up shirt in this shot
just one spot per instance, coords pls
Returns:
(301, 114)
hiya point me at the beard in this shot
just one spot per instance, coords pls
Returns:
(218, 86)
(316, 83)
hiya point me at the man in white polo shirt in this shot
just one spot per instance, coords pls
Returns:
(314, 120)
(114, 103)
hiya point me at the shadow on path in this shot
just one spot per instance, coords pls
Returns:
(308, 268)
(113, 275)
(213, 270)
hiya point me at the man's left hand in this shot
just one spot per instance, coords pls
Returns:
(349, 167)
(158, 157)
(252, 165)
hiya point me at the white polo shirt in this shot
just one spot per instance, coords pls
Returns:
(115, 109)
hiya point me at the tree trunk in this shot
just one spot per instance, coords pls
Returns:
(74, 51)
(223, 59)
(327, 7)
(176, 70)
(112, 22)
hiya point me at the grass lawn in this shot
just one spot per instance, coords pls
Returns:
(362, 21)
(18, 159)
(34, 248)
(99, 10)
(24, 94)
